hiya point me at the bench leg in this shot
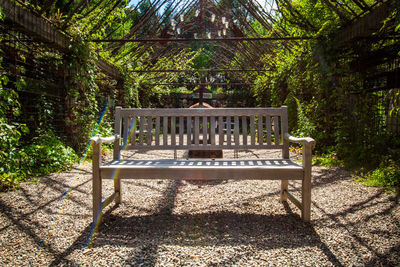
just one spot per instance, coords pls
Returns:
(306, 185)
(306, 200)
(118, 189)
(96, 181)
(284, 187)
(117, 180)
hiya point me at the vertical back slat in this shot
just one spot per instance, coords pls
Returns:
(117, 130)
(189, 130)
(133, 130)
(141, 129)
(212, 130)
(228, 130)
(284, 127)
(276, 130)
(181, 130)
(130, 128)
(165, 131)
(125, 132)
(260, 130)
(205, 130)
(117, 119)
(244, 129)
(252, 131)
(157, 133)
(149, 130)
(196, 130)
(221, 130)
(173, 131)
(236, 130)
(269, 129)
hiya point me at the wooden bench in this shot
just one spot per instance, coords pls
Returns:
(183, 129)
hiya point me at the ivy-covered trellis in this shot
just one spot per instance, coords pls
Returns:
(64, 61)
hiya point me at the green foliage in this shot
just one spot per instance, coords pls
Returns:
(387, 176)
(305, 127)
(131, 95)
(316, 80)
(312, 77)
(10, 135)
(46, 154)
(20, 161)
(329, 159)
(82, 94)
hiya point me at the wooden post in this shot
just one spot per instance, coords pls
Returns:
(117, 180)
(201, 95)
(117, 121)
(117, 150)
(306, 184)
(96, 180)
(285, 149)
(284, 188)
(284, 130)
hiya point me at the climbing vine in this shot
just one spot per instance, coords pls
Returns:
(82, 91)
(312, 77)
(317, 82)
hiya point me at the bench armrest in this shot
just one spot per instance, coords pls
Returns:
(308, 144)
(98, 141)
(104, 140)
(303, 140)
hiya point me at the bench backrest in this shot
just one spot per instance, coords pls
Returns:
(203, 129)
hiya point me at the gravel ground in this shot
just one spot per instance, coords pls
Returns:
(210, 223)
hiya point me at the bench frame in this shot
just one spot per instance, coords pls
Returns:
(266, 125)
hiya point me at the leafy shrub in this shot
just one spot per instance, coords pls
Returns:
(46, 154)
(387, 176)
(305, 127)
(10, 156)
(328, 160)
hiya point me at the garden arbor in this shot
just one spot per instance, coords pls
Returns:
(127, 50)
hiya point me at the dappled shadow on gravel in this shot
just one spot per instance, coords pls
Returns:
(181, 223)
(260, 232)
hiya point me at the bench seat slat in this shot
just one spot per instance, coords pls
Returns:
(268, 169)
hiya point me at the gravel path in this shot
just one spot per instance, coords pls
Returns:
(181, 223)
